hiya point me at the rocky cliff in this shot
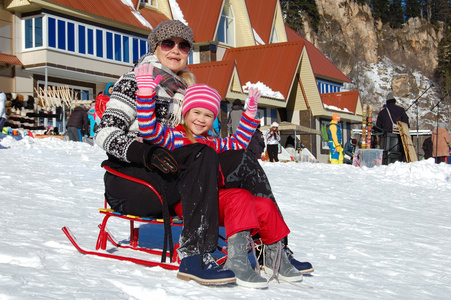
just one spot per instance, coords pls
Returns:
(379, 59)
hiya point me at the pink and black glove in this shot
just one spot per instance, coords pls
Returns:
(144, 78)
(251, 103)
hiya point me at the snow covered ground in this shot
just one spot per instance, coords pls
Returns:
(379, 233)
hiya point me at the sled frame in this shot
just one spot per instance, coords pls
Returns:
(105, 236)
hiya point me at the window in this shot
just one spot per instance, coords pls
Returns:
(109, 45)
(117, 47)
(70, 36)
(149, 2)
(52, 32)
(126, 47)
(81, 39)
(99, 43)
(274, 36)
(38, 32)
(91, 41)
(61, 35)
(226, 29)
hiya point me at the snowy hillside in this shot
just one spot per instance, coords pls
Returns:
(379, 233)
(375, 83)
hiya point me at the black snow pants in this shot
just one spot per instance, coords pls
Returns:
(196, 186)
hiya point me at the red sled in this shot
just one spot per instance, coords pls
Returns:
(133, 243)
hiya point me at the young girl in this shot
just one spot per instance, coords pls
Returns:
(241, 213)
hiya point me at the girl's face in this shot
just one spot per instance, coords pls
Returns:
(199, 120)
(174, 59)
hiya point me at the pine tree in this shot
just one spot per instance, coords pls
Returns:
(443, 73)
(380, 9)
(396, 14)
(412, 9)
(293, 10)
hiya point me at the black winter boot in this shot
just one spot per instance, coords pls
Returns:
(238, 261)
(276, 263)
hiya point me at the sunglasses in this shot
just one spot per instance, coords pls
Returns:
(168, 45)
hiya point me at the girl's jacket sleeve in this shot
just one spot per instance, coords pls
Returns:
(151, 130)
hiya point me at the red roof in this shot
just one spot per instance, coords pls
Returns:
(342, 100)
(202, 17)
(10, 59)
(275, 65)
(261, 13)
(321, 65)
(216, 74)
(113, 10)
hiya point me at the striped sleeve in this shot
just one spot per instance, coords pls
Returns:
(151, 130)
(241, 138)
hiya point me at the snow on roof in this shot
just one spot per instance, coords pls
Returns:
(265, 90)
(177, 12)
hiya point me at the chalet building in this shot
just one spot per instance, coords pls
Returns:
(84, 44)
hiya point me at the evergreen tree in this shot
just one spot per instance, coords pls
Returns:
(443, 73)
(380, 9)
(293, 10)
(412, 9)
(396, 14)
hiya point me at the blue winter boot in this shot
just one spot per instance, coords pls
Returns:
(303, 267)
(210, 274)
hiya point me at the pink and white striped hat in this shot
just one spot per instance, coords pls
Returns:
(201, 95)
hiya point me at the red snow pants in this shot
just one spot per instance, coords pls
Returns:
(239, 210)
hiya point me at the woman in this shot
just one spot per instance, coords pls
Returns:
(272, 142)
(192, 169)
(440, 144)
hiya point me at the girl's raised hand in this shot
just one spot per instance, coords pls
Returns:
(144, 78)
(252, 102)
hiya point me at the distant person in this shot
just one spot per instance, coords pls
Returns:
(234, 116)
(335, 140)
(441, 142)
(101, 101)
(272, 142)
(257, 143)
(427, 147)
(2, 110)
(348, 151)
(390, 114)
(78, 124)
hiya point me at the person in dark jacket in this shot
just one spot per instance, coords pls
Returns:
(427, 147)
(348, 151)
(78, 124)
(234, 116)
(257, 143)
(390, 114)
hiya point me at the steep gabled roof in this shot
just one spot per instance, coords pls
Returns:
(341, 101)
(321, 65)
(202, 17)
(275, 65)
(261, 13)
(115, 10)
(216, 74)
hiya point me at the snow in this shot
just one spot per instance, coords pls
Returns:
(177, 12)
(265, 90)
(370, 233)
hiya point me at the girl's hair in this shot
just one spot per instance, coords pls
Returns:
(188, 132)
(188, 77)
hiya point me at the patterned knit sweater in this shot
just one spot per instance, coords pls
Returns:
(172, 138)
(118, 130)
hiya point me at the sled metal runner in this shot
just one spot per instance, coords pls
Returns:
(105, 236)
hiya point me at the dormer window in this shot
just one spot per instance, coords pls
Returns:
(149, 2)
(274, 36)
(226, 29)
